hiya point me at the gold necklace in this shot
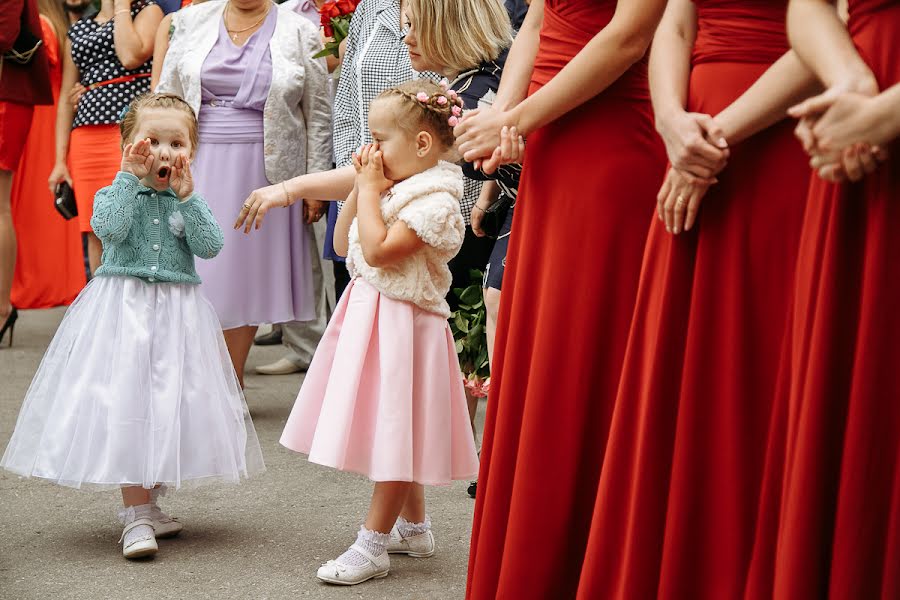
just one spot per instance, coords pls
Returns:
(234, 32)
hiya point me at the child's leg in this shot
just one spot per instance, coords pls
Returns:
(388, 499)
(368, 557)
(135, 495)
(414, 507)
(413, 535)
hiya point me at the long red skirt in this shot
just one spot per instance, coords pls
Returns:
(678, 499)
(586, 196)
(831, 524)
(49, 264)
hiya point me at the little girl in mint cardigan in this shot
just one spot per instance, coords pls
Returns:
(136, 390)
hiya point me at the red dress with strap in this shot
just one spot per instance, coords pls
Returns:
(586, 196)
(49, 264)
(831, 524)
(679, 494)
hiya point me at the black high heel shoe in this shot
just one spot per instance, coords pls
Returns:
(10, 325)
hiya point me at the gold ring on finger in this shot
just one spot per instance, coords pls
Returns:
(679, 201)
(247, 206)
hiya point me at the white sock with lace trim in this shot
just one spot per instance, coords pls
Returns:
(408, 529)
(374, 542)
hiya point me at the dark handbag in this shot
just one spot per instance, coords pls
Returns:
(495, 216)
(25, 46)
(65, 201)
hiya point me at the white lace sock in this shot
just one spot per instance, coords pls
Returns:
(407, 529)
(374, 542)
(155, 495)
(141, 532)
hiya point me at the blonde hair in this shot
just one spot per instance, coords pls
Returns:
(461, 34)
(432, 113)
(129, 122)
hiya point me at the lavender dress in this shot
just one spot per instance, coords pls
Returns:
(264, 277)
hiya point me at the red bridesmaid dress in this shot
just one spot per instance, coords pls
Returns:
(586, 195)
(679, 494)
(833, 525)
(49, 263)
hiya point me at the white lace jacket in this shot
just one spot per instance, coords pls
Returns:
(429, 205)
(297, 115)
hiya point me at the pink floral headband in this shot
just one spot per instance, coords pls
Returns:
(442, 99)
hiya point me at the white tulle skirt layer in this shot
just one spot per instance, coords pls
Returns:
(136, 388)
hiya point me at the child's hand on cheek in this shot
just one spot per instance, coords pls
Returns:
(136, 159)
(182, 181)
(371, 174)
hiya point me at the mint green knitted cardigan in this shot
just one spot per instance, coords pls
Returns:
(152, 235)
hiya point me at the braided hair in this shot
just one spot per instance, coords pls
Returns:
(428, 105)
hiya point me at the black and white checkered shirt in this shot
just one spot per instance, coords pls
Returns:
(375, 59)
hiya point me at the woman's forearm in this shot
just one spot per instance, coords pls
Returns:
(133, 38)
(324, 185)
(823, 43)
(765, 103)
(520, 62)
(888, 105)
(65, 112)
(670, 59)
(160, 48)
(599, 64)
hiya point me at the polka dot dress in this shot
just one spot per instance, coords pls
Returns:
(95, 56)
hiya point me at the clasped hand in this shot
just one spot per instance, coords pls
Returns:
(840, 130)
(697, 151)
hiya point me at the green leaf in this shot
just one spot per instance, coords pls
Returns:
(471, 295)
(461, 323)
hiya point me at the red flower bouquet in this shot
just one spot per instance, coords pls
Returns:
(335, 19)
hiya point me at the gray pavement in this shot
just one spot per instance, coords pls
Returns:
(262, 539)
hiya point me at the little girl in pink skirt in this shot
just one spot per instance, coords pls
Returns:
(384, 396)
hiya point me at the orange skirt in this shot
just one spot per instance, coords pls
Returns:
(95, 155)
(15, 121)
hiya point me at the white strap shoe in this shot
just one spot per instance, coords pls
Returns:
(417, 546)
(339, 573)
(141, 539)
(164, 525)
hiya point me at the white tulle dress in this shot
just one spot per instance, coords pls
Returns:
(137, 387)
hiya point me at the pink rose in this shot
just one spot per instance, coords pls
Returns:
(445, 83)
(456, 110)
(453, 121)
(422, 97)
(442, 100)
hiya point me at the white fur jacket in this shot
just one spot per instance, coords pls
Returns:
(297, 115)
(429, 205)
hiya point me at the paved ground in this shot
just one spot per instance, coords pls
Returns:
(263, 539)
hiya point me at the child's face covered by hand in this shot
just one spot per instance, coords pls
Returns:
(403, 154)
(162, 136)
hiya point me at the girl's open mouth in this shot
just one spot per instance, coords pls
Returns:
(163, 173)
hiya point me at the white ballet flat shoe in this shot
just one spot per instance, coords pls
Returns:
(337, 573)
(417, 546)
(164, 525)
(282, 366)
(142, 545)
